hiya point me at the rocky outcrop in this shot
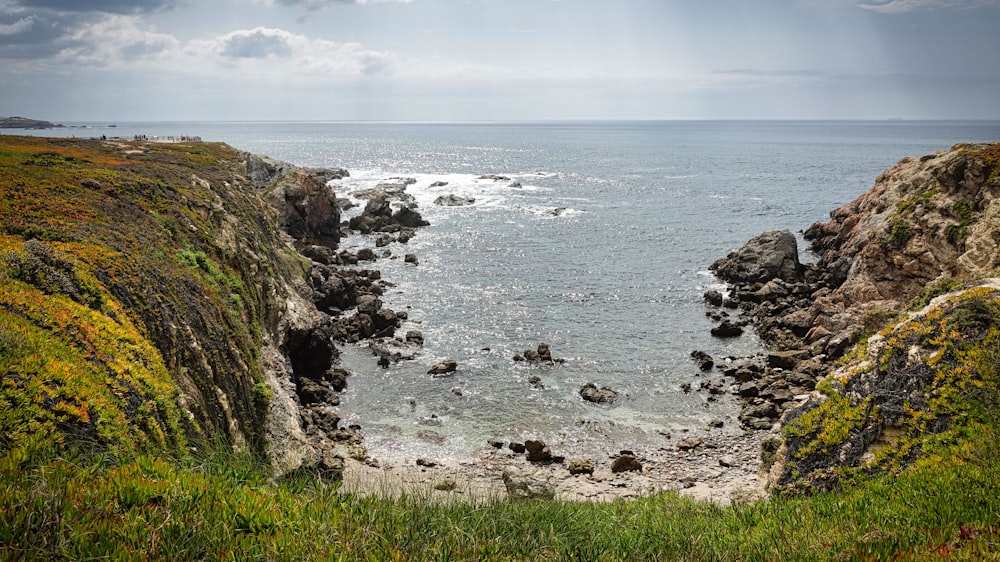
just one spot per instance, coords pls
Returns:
(928, 225)
(453, 200)
(307, 209)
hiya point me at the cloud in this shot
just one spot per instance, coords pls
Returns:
(301, 56)
(20, 26)
(113, 40)
(41, 28)
(104, 6)
(256, 43)
(903, 6)
(317, 5)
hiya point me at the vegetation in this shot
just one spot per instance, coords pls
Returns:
(224, 508)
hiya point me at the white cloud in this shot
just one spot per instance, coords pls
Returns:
(115, 39)
(283, 53)
(903, 6)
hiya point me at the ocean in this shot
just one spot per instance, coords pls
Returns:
(598, 242)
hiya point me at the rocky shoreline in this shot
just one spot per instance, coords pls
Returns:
(708, 464)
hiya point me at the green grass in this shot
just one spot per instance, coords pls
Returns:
(224, 508)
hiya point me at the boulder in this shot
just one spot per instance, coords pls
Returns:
(524, 486)
(604, 395)
(580, 466)
(689, 443)
(704, 360)
(415, 337)
(409, 218)
(444, 367)
(537, 451)
(453, 201)
(771, 255)
(727, 329)
(713, 298)
(626, 462)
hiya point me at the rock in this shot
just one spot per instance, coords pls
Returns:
(626, 462)
(517, 448)
(366, 254)
(411, 258)
(727, 330)
(523, 486)
(544, 353)
(383, 241)
(713, 298)
(337, 378)
(496, 444)
(727, 461)
(704, 360)
(439, 184)
(445, 485)
(307, 209)
(453, 201)
(313, 392)
(444, 367)
(689, 443)
(493, 177)
(716, 423)
(604, 395)
(747, 390)
(409, 218)
(580, 466)
(426, 463)
(415, 337)
(537, 451)
(771, 255)
(787, 360)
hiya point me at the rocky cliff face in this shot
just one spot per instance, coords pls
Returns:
(929, 225)
(153, 297)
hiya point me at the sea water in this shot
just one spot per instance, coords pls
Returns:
(598, 243)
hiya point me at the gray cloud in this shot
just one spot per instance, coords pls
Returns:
(903, 6)
(41, 28)
(257, 44)
(103, 6)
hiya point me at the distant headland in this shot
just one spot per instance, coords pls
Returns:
(25, 123)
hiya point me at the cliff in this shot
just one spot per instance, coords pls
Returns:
(864, 378)
(153, 299)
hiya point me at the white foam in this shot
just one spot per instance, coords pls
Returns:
(488, 193)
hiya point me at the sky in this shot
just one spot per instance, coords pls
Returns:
(486, 60)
